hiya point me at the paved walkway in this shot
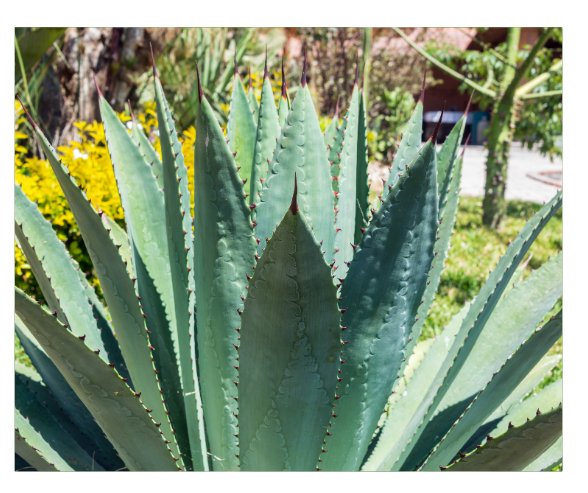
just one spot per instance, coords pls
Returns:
(525, 170)
(531, 177)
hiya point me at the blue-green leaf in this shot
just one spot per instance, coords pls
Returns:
(381, 295)
(118, 289)
(119, 412)
(499, 387)
(268, 131)
(241, 130)
(224, 256)
(479, 313)
(181, 255)
(408, 148)
(288, 357)
(300, 151)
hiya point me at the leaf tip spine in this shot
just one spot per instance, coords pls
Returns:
(304, 67)
(200, 93)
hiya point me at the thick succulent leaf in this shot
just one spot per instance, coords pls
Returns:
(147, 151)
(487, 400)
(380, 297)
(442, 242)
(288, 356)
(515, 318)
(268, 131)
(119, 292)
(347, 189)
(283, 109)
(406, 404)
(32, 455)
(408, 148)
(446, 158)
(119, 412)
(526, 387)
(59, 277)
(331, 132)
(43, 430)
(334, 152)
(143, 203)
(517, 448)
(224, 256)
(479, 313)
(549, 459)
(83, 426)
(241, 130)
(543, 401)
(121, 241)
(362, 188)
(300, 151)
(253, 104)
(181, 254)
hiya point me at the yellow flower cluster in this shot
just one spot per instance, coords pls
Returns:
(89, 163)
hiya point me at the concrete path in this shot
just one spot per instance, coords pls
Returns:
(531, 177)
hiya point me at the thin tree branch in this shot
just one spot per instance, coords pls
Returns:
(445, 68)
(525, 89)
(528, 61)
(537, 95)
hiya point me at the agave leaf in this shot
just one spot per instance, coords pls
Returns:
(143, 203)
(241, 130)
(119, 292)
(548, 459)
(480, 310)
(515, 318)
(488, 399)
(527, 385)
(288, 357)
(32, 455)
(181, 255)
(408, 148)
(446, 158)
(147, 151)
(408, 400)
(301, 152)
(381, 294)
(121, 241)
(119, 412)
(362, 188)
(331, 132)
(545, 400)
(224, 256)
(283, 109)
(253, 104)
(284, 102)
(334, 148)
(83, 426)
(517, 448)
(442, 242)
(60, 280)
(347, 189)
(42, 430)
(268, 131)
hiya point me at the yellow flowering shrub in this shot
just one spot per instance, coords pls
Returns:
(89, 163)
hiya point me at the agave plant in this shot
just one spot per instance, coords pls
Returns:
(278, 328)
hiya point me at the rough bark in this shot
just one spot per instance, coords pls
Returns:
(116, 57)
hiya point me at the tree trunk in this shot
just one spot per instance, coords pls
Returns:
(500, 136)
(116, 57)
